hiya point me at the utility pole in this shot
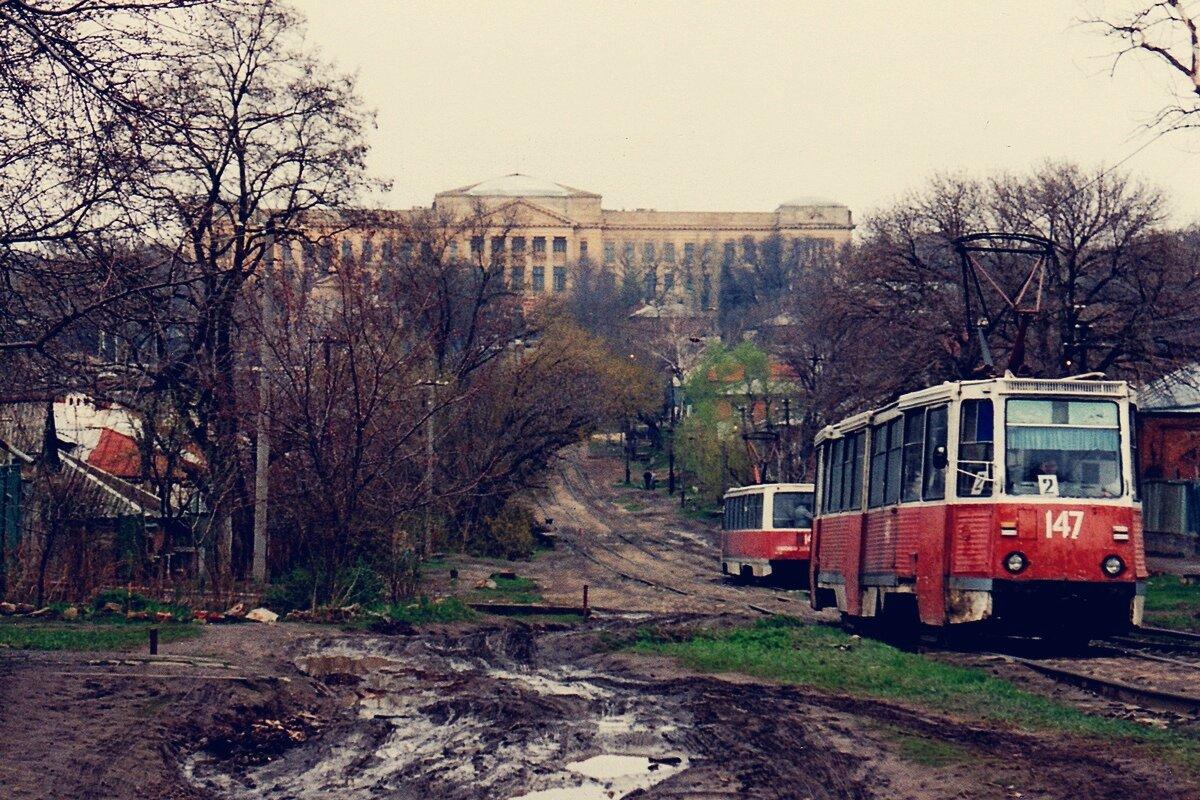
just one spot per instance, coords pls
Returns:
(262, 447)
(671, 440)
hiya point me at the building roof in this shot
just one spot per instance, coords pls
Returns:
(518, 185)
(1176, 392)
(116, 454)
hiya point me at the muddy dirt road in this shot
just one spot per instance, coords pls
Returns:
(510, 709)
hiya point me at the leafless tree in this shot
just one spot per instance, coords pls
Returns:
(1168, 32)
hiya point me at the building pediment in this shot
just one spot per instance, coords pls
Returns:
(527, 214)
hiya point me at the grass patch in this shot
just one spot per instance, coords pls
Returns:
(1171, 603)
(87, 635)
(827, 659)
(926, 751)
(449, 609)
(523, 591)
(631, 505)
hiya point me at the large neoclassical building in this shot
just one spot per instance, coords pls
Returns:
(542, 232)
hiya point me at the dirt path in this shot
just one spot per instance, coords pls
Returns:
(650, 559)
(113, 725)
(514, 710)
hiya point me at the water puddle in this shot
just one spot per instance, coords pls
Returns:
(608, 776)
(564, 684)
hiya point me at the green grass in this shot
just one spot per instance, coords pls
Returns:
(631, 505)
(88, 635)
(926, 751)
(449, 609)
(510, 590)
(827, 659)
(1171, 603)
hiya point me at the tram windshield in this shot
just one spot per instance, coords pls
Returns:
(1063, 448)
(792, 510)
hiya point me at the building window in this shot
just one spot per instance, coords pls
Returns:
(406, 251)
(368, 251)
(497, 244)
(749, 251)
(347, 250)
(454, 249)
(730, 252)
(285, 253)
(517, 279)
(689, 252)
(648, 253)
(668, 281)
(539, 245)
(518, 245)
(560, 244)
(476, 245)
(326, 257)
(539, 276)
(583, 254)
(560, 279)
(669, 252)
(649, 284)
(610, 253)
(388, 250)
(688, 282)
(627, 252)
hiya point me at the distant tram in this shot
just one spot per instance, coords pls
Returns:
(767, 530)
(1011, 500)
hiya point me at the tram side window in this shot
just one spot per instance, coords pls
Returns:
(852, 484)
(1135, 468)
(935, 440)
(895, 444)
(879, 450)
(914, 443)
(976, 426)
(836, 466)
(754, 512)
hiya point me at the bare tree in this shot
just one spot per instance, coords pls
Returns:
(1169, 33)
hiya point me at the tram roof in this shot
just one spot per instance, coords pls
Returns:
(1006, 385)
(755, 488)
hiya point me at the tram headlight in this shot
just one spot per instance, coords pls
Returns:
(1112, 566)
(1016, 562)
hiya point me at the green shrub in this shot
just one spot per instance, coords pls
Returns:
(295, 591)
(509, 534)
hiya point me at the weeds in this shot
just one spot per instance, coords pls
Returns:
(1171, 603)
(23, 635)
(787, 650)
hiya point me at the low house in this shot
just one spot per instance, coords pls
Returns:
(1169, 460)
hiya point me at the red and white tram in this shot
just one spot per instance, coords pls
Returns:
(767, 530)
(1013, 500)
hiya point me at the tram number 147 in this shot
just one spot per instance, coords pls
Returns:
(1066, 524)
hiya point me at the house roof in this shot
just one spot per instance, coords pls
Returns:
(1176, 392)
(116, 454)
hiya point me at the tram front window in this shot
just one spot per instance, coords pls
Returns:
(1063, 448)
(792, 510)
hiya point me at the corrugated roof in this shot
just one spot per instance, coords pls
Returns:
(1177, 391)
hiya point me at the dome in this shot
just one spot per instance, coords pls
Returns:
(810, 200)
(517, 185)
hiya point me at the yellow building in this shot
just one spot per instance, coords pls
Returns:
(545, 233)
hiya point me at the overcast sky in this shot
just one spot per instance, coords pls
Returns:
(739, 106)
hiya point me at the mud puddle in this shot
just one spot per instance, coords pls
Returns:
(473, 718)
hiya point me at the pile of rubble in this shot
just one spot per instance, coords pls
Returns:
(239, 612)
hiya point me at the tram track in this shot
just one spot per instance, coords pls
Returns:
(588, 526)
